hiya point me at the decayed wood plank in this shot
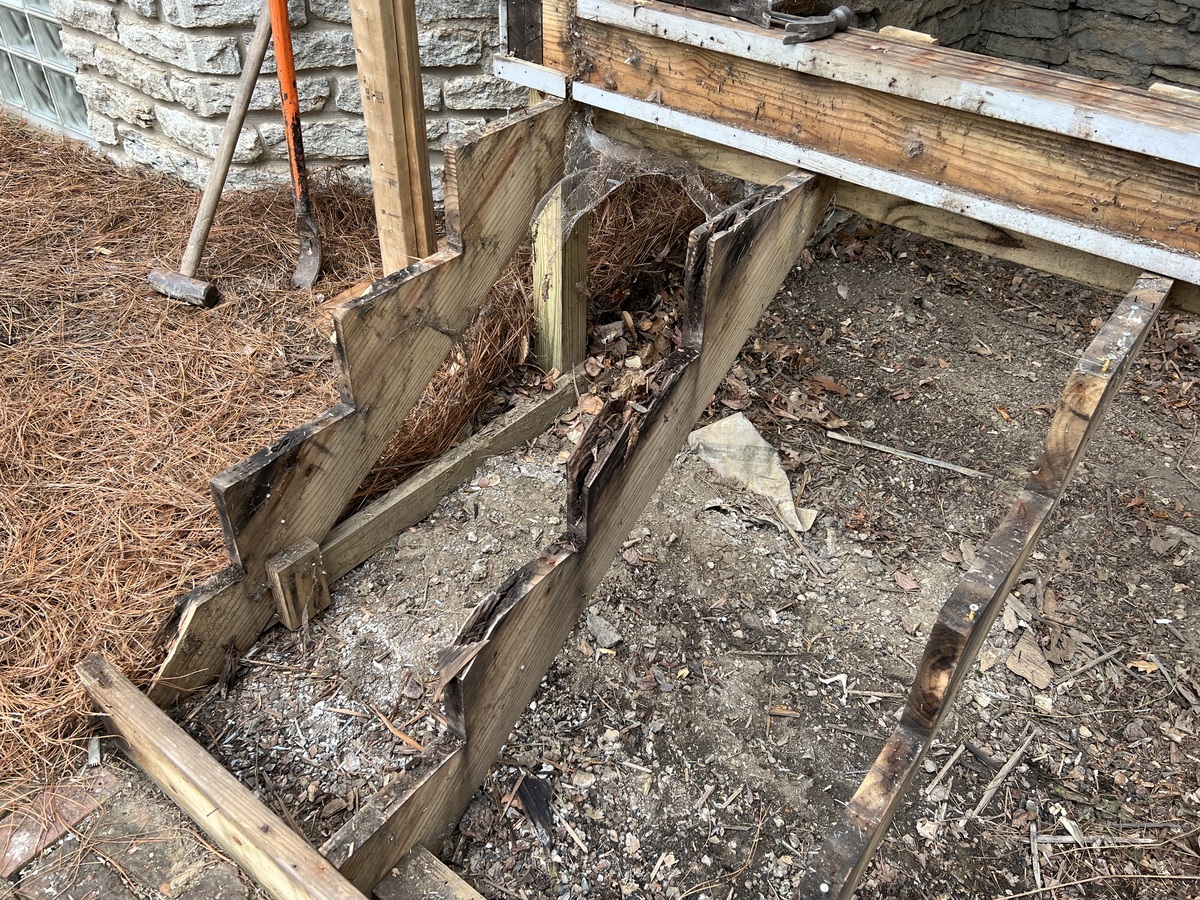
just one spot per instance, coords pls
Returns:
(909, 148)
(389, 76)
(960, 230)
(736, 264)
(964, 620)
(277, 858)
(390, 342)
(1063, 104)
(353, 541)
(422, 876)
(560, 285)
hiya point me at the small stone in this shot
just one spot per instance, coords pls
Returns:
(582, 779)
(603, 631)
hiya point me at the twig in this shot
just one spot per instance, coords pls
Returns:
(994, 784)
(1099, 840)
(1033, 852)
(396, 732)
(904, 454)
(946, 768)
(1087, 667)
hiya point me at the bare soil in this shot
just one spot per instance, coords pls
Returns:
(709, 750)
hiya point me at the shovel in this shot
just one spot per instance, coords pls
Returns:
(309, 264)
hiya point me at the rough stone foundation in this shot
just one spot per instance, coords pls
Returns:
(158, 77)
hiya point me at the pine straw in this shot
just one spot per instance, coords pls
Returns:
(637, 239)
(117, 406)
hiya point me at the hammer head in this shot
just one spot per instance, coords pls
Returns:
(178, 286)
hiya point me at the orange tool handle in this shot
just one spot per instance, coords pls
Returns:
(285, 66)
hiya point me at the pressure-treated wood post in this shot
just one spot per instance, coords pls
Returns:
(560, 285)
(389, 76)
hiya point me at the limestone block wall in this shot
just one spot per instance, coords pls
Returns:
(158, 77)
(1136, 42)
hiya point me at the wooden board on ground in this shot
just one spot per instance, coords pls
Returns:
(736, 264)
(964, 620)
(390, 343)
(422, 876)
(277, 858)
(353, 541)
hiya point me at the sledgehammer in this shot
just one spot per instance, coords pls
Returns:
(183, 285)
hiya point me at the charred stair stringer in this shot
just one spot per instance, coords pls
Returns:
(736, 264)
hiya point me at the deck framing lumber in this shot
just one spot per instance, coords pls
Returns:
(736, 263)
(389, 76)
(1022, 212)
(965, 618)
(1099, 112)
(1117, 167)
(560, 252)
(943, 225)
(390, 343)
(278, 859)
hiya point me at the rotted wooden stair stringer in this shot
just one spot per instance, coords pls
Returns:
(736, 264)
(390, 343)
(964, 620)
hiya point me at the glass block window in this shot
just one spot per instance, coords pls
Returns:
(36, 78)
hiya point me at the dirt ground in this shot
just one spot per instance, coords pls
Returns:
(698, 735)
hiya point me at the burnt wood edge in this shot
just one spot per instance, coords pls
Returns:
(967, 615)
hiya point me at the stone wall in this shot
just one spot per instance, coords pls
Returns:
(955, 23)
(1136, 42)
(158, 77)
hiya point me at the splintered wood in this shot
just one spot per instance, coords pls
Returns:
(390, 342)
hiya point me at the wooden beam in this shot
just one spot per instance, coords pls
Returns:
(736, 263)
(299, 583)
(390, 343)
(543, 79)
(389, 77)
(964, 620)
(945, 79)
(279, 860)
(560, 284)
(952, 228)
(422, 876)
(1162, 236)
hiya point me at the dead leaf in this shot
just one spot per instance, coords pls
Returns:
(826, 383)
(590, 404)
(1027, 661)
(906, 581)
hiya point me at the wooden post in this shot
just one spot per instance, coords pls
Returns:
(389, 76)
(560, 285)
(298, 582)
